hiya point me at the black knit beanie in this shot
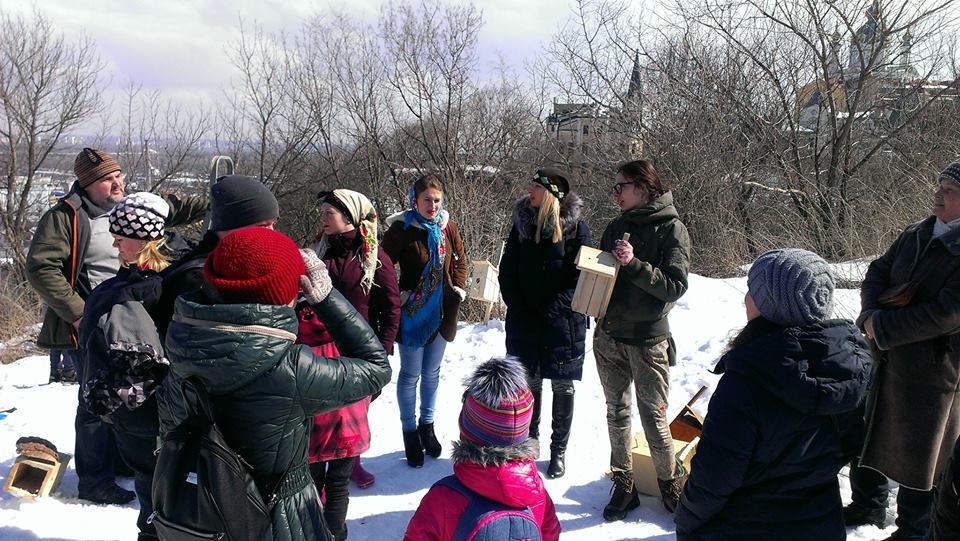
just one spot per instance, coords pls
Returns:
(237, 201)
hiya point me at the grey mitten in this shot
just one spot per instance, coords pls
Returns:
(315, 284)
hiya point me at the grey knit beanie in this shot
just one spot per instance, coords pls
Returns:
(791, 287)
(952, 172)
(237, 201)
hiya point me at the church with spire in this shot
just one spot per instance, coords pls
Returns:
(877, 63)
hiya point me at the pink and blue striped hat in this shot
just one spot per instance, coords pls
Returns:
(498, 405)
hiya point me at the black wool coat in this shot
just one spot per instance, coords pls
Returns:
(537, 281)
(767, 463)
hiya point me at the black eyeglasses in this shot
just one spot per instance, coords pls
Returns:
(618, 187)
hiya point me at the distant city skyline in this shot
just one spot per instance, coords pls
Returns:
(178, 46)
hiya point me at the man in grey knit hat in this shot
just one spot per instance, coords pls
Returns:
(911, 312)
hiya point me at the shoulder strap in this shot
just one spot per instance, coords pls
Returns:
(477, 508)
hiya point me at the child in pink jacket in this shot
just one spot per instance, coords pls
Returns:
(494, 458)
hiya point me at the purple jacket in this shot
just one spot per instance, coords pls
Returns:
(381, 306)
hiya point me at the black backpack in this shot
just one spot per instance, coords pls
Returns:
(203, 489)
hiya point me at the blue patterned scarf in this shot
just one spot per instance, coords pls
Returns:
(420, 316)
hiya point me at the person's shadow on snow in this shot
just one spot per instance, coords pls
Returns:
(11, 533)
(395, 478)
(592, 497)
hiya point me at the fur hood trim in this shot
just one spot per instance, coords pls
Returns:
(485, 455)
(525, 217)
(401, 216)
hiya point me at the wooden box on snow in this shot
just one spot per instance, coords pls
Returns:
(598, 272)
(35, 474)
(685, 430)
(483, 284)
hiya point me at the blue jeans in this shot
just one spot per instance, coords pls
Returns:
(414, 364)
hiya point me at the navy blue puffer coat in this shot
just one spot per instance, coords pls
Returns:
(767, 463)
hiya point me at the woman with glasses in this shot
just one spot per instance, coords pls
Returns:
(425, 243)
(363, 273)
(632, 344)
(538, 276)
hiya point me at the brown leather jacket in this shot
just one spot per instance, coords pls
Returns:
(407, 247)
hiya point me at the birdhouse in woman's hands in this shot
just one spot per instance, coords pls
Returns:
(598, 272)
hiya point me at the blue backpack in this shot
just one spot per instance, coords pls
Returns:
(489, 520)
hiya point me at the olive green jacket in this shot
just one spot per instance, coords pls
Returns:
(647, 287)
(55, 261)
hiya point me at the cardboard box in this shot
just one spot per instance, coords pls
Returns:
(685, 429)
(644, 474)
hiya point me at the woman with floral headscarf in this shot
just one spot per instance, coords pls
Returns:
(427, 246)
(361, 271)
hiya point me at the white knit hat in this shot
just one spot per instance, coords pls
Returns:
(139, 216)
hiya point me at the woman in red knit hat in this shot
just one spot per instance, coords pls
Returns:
(240, 346)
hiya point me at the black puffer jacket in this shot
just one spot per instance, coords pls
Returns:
(537, 281)
(767, 463)
(266, 389)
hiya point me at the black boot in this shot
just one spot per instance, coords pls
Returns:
(669, 493)
(413, 449)
(429, 440)
(562, 420)
(623, 498)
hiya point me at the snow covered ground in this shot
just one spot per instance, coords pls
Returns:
(701, 322)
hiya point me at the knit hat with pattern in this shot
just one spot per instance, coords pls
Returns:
(498, 405)
(952, 172)
(255, 265)
(791, 287)
(139, 216)
(92, 164)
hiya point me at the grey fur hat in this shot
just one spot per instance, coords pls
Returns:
(791, 287)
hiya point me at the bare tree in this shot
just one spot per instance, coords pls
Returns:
(778, 121)
(47, 86)
(160, 139)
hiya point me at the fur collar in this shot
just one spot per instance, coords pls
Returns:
(484, 455)
(401, 216)
(525, 217)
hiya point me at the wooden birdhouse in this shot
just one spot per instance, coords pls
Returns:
(598, 273)
(35, 472)
(483, 285)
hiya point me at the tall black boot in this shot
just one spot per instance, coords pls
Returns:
(413, 449)
(429, 440)
(536, 389)
(562, 420)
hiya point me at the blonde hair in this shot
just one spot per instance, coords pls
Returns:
(549, 216)
(150, 256)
